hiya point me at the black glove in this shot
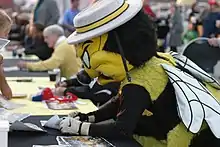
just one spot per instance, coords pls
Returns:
(81, 79)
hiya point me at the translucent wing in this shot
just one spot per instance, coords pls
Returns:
(195, 102)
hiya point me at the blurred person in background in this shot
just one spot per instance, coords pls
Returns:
(209, 23)
(69, 16)
(176, 29)
(190, 34)
(39, 47)
(63, 57)
(195, 19)
(147, 9)
(5, 26)
(45, 13)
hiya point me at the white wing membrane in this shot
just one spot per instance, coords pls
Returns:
(195, 102)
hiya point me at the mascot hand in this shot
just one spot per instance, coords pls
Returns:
(72, 126)
(82, 117)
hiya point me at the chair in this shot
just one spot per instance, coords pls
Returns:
(204, 55)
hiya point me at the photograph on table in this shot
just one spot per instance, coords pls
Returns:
(56, 105)
(85, 141)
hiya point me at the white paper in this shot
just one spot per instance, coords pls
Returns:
(3, 43)
(12, 117)
(51, 146)
(12, 68)
(9, 105)
(52, 123)
(19, 126)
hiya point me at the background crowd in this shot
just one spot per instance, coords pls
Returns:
(176, 24)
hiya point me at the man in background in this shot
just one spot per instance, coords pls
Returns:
(63, 57)
(69, 16)
(209, 23)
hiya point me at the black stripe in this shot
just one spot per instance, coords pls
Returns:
(207, 75)
(205, 105)
(187, 98)
(203, 90)
(102, 24)
(102, 17)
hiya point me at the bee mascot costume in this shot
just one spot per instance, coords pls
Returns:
(165, 100)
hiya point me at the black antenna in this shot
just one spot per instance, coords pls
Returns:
(122, 56)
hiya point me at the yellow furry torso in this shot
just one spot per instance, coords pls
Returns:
(153, 78)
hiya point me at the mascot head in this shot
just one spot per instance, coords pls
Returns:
(112, 37)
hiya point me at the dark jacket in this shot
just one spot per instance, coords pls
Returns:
(39, 48)
(46, 12)
(209, 24)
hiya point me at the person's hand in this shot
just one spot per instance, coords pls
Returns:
(6, 91)
(22, 64)
(61, 84)
(72, 126)
(82, 117)
(214, 42)
(218, 24)
(59, 91)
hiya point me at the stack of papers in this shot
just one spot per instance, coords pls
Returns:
(12, 117)
(9, 105)
(51, 146)
(10, 69)
(52, 123)
(19, 126)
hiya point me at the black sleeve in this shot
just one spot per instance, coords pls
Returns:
(40, 49)
(82, 78)
(99, 94)
(134, 100)
(72, 82)
(107, 111)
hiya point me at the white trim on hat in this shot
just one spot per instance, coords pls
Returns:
(126, 10)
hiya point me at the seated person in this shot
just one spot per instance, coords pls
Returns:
(86, 88)
(69, 16)
(145, 83)
(63, 57)
(190, 34)
(5, 25)
(17, 32)
(39, 47)
(162, 31)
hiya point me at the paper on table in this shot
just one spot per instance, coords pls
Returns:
(12, 117)
(52, 123)
(3, 43)
(9, 105)
(19, 126)
(12, 68)
(51, 146)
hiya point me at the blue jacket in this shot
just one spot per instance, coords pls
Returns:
(209, 24)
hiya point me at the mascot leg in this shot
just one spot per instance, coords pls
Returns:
(179, 137)
(205, 138)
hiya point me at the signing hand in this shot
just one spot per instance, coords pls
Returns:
(22, 64)
(214, 42)
(59, 91)
(61, 84)
(6, 91)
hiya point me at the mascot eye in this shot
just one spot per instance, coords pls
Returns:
(86, 59)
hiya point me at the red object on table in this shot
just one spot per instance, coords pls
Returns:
(47, 94)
